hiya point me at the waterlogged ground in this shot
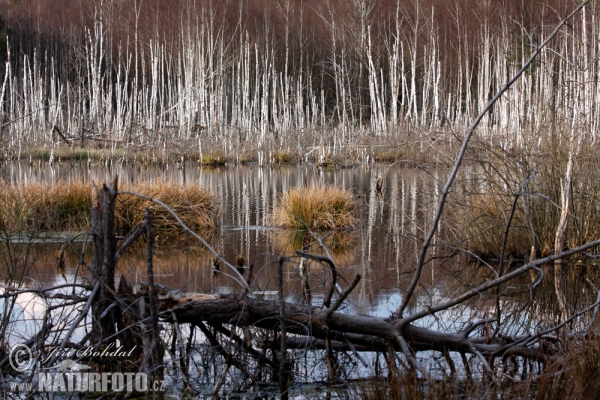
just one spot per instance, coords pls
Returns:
(383, 248)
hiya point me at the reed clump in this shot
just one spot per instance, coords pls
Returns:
(37, 207)
(196, 207)
(531, 182)
(66, 206)
(319, 208)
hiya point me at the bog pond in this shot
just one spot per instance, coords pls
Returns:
(382, 248)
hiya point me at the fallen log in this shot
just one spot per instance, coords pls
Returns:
(365, 333)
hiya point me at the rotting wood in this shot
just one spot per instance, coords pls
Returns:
(104, 258)
(121, 314)
(318, 326)
(364, 332)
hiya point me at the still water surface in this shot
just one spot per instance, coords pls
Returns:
(383, 248)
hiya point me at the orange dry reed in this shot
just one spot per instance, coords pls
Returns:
(37, 207)
(317, 208)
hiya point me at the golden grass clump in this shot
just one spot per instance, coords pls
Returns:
(195, 206)
(37, 207)
(63, 207)
(318, 208)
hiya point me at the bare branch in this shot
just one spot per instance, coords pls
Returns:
(493, 283)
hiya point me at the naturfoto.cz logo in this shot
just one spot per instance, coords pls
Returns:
(71, 376)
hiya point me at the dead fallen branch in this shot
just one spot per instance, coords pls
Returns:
(365, 333)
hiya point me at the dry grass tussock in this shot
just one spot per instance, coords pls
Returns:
(482, 208)
(37, 207)
(196, 207)
(318, 208)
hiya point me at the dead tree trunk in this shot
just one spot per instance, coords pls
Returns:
(104, 260)
(345, 331)
(325, 328)
(115, 311)
(561, 234)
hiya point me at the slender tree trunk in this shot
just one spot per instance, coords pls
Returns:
(561, 238)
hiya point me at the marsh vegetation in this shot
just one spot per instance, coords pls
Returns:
(485, 270)
(65, 206)
(317, 208)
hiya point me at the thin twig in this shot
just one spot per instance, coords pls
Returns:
(215, 343)
(138, 231)
(75, 324)
(343, 296)
(283, 381)
(329, 295)
(503, 248)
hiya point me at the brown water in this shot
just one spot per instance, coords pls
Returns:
(383, 248)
